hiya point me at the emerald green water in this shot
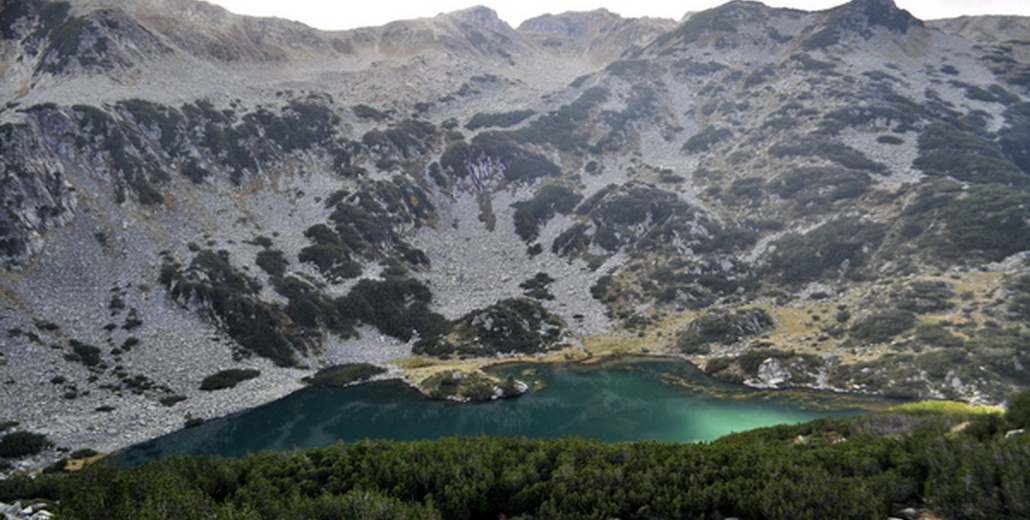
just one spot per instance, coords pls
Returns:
(621, 401)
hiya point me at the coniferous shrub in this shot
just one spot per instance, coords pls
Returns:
(882, 326)
(22, 444)
(838, 244)
(502, 120)
(945, 150)
(550, 199)
(722, 327)
(272, 261)
(86, 354)
(343, 375)
(228, 378)
(706, 138)
(1018, 412)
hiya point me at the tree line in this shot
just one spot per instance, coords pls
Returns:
(954, 465)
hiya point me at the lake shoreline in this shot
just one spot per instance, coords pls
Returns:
(622, 398)
(413, 372)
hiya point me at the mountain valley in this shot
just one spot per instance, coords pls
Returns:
(835, 200)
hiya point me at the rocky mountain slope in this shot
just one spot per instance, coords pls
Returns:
(833, 199)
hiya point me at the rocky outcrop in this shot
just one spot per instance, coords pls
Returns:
(772, 372)
(35, 195)
(17, 512)
(599, 36)
(985, 28)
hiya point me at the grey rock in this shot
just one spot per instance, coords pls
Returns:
(772, 372)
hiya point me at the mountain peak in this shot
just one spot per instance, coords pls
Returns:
(861, 18)
(482, 17)
(572, 24)
(866, 14)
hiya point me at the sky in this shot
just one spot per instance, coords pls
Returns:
(333, 15)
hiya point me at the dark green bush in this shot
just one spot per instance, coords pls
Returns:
(988, 222)
(514, 325)
(642, 217)
(926, 296)
(809, 63)
(938, 363)
(882, 326)
(695, 68)
(367, 112)
(1014, 137)
(343, 375)
(838, 243)
(232, 299)
(309, 308)
(706, 138)
(938, 336)
(980, 94)
(86, 354)
(550, 199)
(397, 306)
(194, 172)
(301, 125)
(1003, 351)
(750, 361)
(836, 152)
(168, 120)
(536, 287)
(272, 261)
(722, 327)
(759, 76)
(945, 150)
(1018, 413)
(171, 400)
(750, 188)
(405, 139)
(816, 189)
(561, 128)
(22, 444)
(83, 453)
(228, 378)
(502, 120)
(129, 342)
(1019, 301)
(627, 67)
(494, 148)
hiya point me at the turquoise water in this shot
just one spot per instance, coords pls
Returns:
(619, 401)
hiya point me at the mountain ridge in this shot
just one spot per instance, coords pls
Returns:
(831, 199)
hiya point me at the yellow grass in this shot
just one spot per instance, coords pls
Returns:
(947, 407)
(77, 464)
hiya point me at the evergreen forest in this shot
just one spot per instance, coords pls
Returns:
(933, 459)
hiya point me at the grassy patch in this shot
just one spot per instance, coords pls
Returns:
(947, 408)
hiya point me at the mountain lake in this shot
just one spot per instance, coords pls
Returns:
(624, 400)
